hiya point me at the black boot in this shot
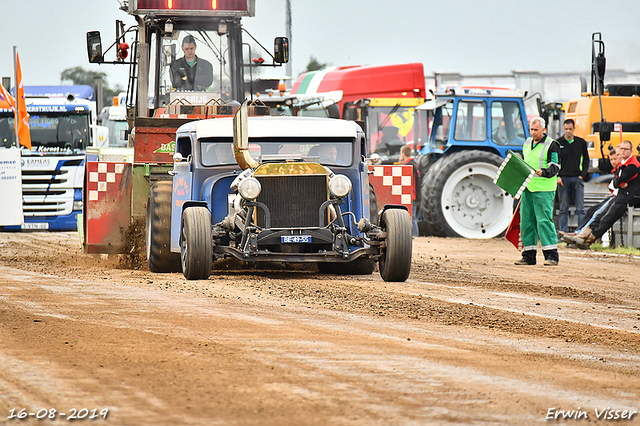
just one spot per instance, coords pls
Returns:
(528, 258)
(551, 257)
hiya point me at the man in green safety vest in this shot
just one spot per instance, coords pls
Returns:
(536, 205)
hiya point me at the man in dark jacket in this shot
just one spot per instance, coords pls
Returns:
(574, 167)
(628, 185)
(191, 72)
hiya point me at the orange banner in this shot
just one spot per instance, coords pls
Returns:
(6, 100)
(22, 116)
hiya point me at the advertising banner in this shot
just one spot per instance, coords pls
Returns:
(11, 184)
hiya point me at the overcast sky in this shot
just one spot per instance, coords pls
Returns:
(466, 36)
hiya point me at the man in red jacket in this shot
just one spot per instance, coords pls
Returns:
(628, 185)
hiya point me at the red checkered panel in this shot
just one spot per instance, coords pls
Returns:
(107, 206)
(100, 176)
(392, 184)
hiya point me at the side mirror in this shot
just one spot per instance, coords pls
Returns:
(169, 54)
(94, 47)
(281, 50)
(333, 111)
(374, 158)
(350, 112)
(605, 131)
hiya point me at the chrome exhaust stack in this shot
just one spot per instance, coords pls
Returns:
(241, 139)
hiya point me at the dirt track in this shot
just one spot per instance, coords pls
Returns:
(469, 339)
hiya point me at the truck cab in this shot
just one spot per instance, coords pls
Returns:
(492, 119)
(62, 125)
(383, 98)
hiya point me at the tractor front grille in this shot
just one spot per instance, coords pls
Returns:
(293, 200)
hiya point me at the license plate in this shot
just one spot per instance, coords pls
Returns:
(35, 225)
(295, 239)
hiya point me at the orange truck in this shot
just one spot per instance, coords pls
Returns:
(608, 114)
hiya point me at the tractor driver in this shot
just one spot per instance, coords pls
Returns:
(191, 72)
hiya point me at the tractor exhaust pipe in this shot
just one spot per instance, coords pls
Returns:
(241, 139)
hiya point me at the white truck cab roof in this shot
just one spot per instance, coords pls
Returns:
(268, 126)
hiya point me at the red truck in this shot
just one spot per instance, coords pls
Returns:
(352, 83)
(384, 99)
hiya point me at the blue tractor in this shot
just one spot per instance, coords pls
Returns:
(472, 130)
(273, 189)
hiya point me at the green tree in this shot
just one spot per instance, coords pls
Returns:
(314, 65)
(79, 75)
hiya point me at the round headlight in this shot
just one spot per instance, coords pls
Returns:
(340, 185)
(249, 188)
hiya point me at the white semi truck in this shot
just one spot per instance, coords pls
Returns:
(62, 125)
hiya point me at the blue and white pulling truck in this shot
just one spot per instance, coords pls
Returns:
(274, 189)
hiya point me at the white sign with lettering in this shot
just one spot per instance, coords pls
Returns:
(11, 184)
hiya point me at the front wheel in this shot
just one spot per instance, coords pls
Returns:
(395, 256)
(196, 247)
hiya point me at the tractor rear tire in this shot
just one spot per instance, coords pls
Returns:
(196, 243)
(427, 225)
(424, 163)
(158, 229)
(395, 256)
(461, 198)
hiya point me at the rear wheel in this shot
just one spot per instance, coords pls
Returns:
(395, 256)
(158, 230)
(461, 198)
(196, 245)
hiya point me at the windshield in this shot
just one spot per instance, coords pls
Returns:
(507, 124)
(471, 121)
(389, 128)
(441, 123)
(327, 152)
(193, 68)
(50, 132)
(115, 132)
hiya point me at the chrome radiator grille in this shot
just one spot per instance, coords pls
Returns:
(293, 200)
